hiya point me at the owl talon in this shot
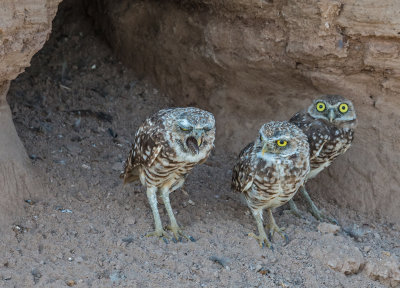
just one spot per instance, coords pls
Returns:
(178, 233)
(271, 227)
(161, 234)
(279, 230)
(321, 216)
(261, 239)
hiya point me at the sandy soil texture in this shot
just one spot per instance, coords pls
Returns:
(76, 110)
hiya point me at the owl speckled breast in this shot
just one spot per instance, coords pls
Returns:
(275, 185)
(326, 146)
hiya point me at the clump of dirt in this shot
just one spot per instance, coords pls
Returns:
(76, 110)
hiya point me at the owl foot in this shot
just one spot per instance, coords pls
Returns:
(272, 228)
(321, 216)
(178, 234)
(314, 210)
(262, 240)
(275, 228)
(161, 234)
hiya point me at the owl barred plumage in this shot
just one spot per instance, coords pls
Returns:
(329, 123)
(270, 170)
(166, 147)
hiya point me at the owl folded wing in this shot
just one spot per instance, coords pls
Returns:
(143, 153)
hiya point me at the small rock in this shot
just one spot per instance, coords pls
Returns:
(70, 283)
(191, 202)
(221, 261)
(66, 211)
(6, 276)
(79, 259)
(367, 249)
(86, 166)
(355, 232)
(117, 276)
(338, 254)
(127, 240)
(74, 149)
(30, 202)
(386, 271)
(130, 220)
(328, 228)
(118, 166)
(36, 275)
(377, 236)
(262, 270)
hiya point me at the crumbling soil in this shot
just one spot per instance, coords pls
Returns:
(76, 109)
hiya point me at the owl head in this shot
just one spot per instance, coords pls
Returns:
(332, 108)
(193, 130)
(280, 139)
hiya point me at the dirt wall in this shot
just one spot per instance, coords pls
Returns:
(24, 28)
(253, 61)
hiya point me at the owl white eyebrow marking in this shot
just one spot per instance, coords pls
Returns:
(185, 123)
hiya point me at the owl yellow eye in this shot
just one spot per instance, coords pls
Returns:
(343, 108)
(281, 143)
(185, 129)
(320, 106)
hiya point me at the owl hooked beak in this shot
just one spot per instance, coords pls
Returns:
(331, 115)
(264, 149)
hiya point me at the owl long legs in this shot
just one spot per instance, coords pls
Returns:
(159, 231)
(262, 237)
(293, 209)
(272, 228)
(174, 227)
(314, 209)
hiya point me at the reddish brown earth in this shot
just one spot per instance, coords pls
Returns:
(90, 231)
(251, 61)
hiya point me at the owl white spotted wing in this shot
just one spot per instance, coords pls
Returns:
(144, 151)
(242, 175)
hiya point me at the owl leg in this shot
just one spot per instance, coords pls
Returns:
(159, 232)
(293, 209)
(314, 210)
(262, 237)
(272, 227)
(174, 227)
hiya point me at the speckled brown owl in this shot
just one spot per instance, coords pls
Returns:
(166, 147)
(270, 170)
(329, 124)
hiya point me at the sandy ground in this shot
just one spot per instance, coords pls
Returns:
(76, 110)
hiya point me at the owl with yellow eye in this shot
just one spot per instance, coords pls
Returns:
(269, 171)
(329, 123)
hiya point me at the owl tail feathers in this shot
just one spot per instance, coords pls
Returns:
(130, 175)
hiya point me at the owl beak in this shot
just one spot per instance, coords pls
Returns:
(331, 115)
(264, 149)
(199, 137)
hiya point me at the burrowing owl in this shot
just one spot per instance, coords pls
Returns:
(329, 124)
(166, 147)
(270, 170)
